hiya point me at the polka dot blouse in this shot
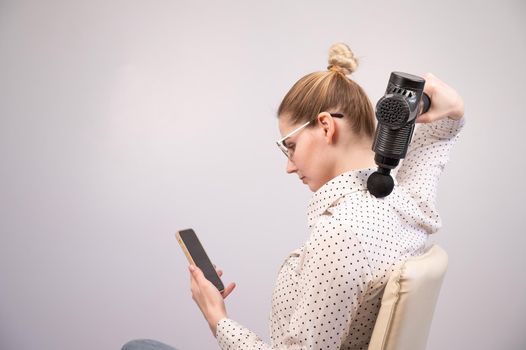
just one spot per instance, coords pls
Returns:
(328, 292)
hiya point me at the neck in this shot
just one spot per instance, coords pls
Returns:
(357, 156)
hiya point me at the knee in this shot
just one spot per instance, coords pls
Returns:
(132, 345)
(138, 344)
(145, 344)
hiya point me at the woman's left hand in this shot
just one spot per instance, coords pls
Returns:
(208, 298)
(445, 101)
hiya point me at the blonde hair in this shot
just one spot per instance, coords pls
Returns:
(331, 91)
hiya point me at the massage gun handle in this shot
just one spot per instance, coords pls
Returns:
(425, 103)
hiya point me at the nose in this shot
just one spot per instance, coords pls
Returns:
(291, 167)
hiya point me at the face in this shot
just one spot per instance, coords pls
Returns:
(310, 157)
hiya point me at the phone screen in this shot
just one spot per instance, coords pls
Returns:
(196, 255)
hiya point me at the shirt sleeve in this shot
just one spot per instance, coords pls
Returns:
(334, 279)
(426, 158)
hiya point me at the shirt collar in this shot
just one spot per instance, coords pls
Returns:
(332, 191)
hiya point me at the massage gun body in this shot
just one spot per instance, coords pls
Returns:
(396, 112)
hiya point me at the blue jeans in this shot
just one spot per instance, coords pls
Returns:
(146, 344)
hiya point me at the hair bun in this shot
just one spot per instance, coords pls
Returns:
(341, 59)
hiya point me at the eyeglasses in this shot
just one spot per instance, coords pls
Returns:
(288, 151)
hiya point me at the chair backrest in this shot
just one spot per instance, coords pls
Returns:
(408, 302)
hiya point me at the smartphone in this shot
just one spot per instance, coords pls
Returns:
(196, 255)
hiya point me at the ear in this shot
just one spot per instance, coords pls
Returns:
(328, 126)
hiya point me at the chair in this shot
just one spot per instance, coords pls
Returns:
(408, 302)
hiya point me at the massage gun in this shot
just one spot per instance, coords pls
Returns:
(396, 111)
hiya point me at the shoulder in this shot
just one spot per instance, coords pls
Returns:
(361, 211)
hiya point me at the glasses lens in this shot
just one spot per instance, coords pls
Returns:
(283, 148)
(281, 143)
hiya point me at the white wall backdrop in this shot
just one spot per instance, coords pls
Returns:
(123, 121)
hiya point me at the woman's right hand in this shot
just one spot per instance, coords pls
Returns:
(209, 300)
(445, 101)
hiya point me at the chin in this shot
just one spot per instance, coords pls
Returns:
(313, 188)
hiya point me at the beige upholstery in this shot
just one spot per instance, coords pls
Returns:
(409, 301)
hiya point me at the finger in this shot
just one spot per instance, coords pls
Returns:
(196, 272)
(194, 283)
(219, 272)
(423, 118)
(194, 287)
(228, 290)
(429, 76)
(198, 275)
(427, 117)
(429, 87)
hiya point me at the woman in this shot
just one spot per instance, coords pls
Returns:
(328, 292)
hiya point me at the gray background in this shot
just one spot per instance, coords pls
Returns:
(123, 121)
